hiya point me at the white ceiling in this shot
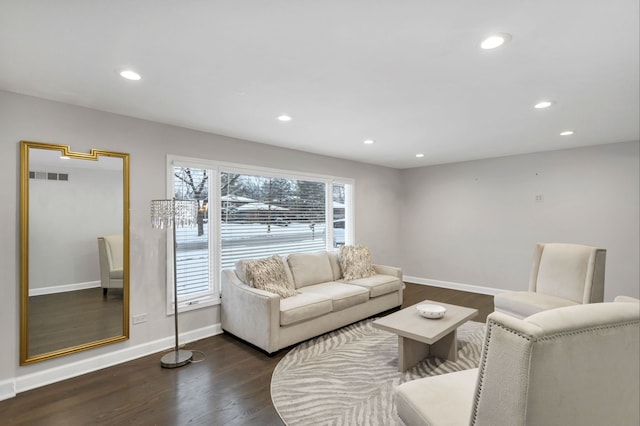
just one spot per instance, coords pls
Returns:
(408, 74)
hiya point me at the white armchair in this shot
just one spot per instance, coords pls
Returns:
(562, 275)
(110, 253)
(626, 299)
(577, 365)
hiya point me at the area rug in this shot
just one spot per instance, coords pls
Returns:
(347, 377)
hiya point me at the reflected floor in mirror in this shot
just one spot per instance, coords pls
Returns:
(62, 320)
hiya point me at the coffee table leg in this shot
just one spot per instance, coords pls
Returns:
(446, 348)
(410, 352)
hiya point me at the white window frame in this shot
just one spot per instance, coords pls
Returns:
(349, 210)
(213, 297)
(216, 168)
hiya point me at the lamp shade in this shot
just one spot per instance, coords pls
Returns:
(164, 213)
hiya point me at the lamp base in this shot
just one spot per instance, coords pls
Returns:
(175, 359)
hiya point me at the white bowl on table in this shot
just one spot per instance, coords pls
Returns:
(431, 311)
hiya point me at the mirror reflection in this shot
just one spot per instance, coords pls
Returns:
(74, 253)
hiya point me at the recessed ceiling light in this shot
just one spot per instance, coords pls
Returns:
(567, 133)
(543, 104)
(419, 155)
(495, 40)
(368, 141)
(284, 117)
(130, 75)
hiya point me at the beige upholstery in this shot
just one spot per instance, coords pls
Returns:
(577, 365)
(110, 253)
(562, 275)
(626, 299)
(310, 268)
(324, 301)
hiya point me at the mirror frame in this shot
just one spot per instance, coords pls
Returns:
(94, 155)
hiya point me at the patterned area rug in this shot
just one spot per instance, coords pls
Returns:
(347, 377)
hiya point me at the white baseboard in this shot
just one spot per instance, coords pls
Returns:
(453, 286)
(7, 389)
(67, 371)
(63, 288)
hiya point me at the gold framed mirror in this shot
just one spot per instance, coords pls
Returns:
(74, 250)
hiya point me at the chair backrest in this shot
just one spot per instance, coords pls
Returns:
(578, 365)
(110, 251)
(570, 271)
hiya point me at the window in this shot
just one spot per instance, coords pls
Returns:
(193, 263)
(250, 213)
(264, 215)
(339, 212)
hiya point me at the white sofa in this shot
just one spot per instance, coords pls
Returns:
(576, 365)
(324, 301)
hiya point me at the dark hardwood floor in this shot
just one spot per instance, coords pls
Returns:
(228, 387)
(62, 320)
(415, 293)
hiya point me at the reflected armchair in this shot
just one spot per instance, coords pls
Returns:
(562, 275)
(110, 253)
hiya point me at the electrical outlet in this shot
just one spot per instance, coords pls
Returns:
(539, 198)
(137, 319)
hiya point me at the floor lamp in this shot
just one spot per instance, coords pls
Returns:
(172, 214)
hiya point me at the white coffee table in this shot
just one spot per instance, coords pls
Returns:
(420, 337)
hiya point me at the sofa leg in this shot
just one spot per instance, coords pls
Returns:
(104, 292)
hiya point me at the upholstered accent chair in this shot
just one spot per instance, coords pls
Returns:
(562, 275)
(110, 253)
(577, 365)
(626, 299)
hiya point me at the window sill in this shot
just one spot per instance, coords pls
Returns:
(195, 304)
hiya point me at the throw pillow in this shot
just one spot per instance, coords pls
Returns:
(269, 275)
(355, 262)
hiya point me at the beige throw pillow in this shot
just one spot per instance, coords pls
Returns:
(269, 275)
(355, 262)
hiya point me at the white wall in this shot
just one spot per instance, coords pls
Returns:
(27, 118)
(65, 219)
(476, 223)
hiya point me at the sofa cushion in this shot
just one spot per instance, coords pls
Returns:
(310, 268)
(342, 295)
(355, 262)
(241, 269)
(379, 284)
(303, 307)
(334, 260)
(269, 275)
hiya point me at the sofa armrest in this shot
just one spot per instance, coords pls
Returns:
(249, 313)
(388, 270)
